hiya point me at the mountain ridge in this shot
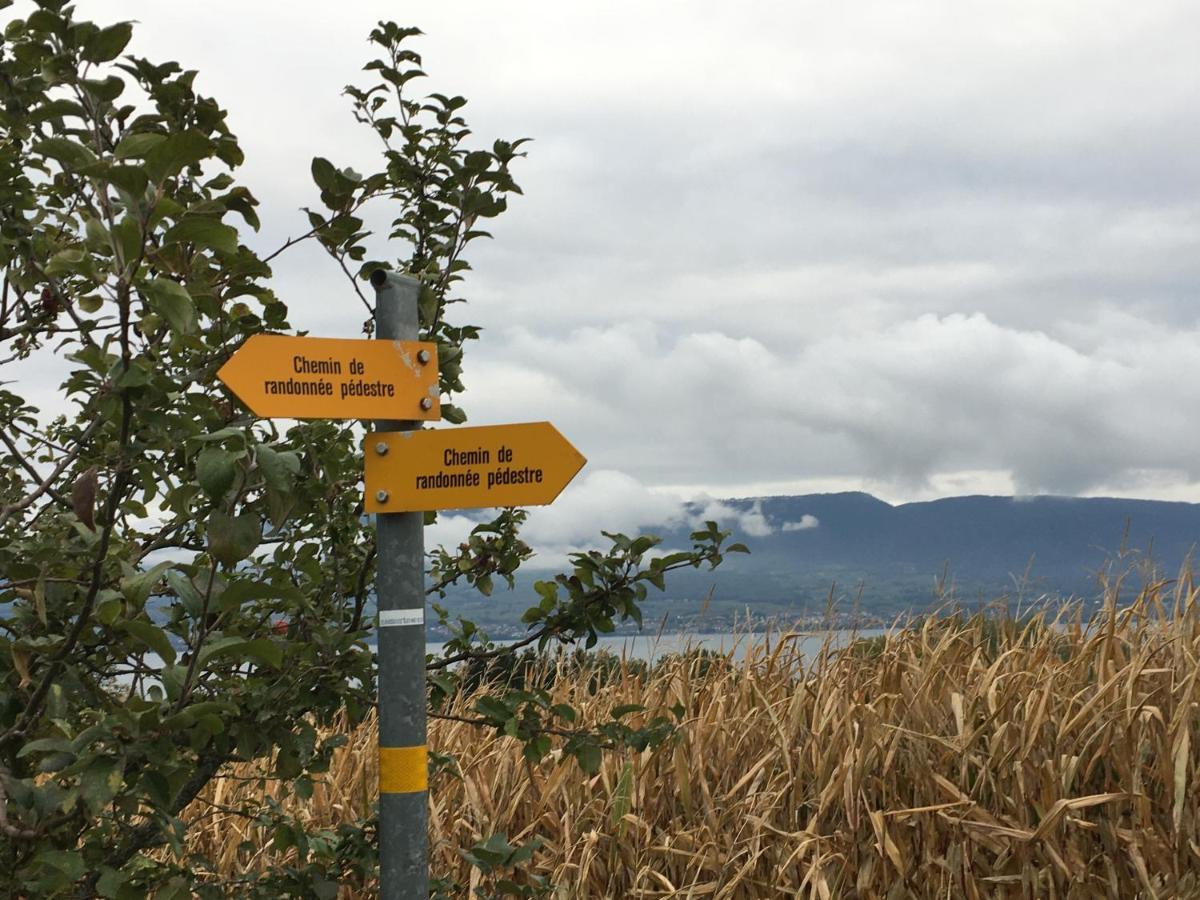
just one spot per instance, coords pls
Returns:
(1064, 543)
(863, 558)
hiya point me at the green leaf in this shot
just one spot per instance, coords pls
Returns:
(152, 636)
(493, 709)
(68, 862)
(55, 109)
(55, 762)
(108, 43)
(44, 745)
(64, 262)
(325, 175)
(182, 149)
(100, 782)
(219, 435)
(108, 611)
(178, 888)
(97, 235)
(626, 709)
(71, 154)
(622, 796)
(242, 591)
(188, 596)
(106, 89)
(261, 648)
(453, 414)
(233, 538)
(278, 469)
(589, 758)
(45, 20)
(129, 231)
(110, 882)
(280, 504)
(136, 146)
(215, 471)
(222, 646)
(155, 787)
(171, 300)
(203, 232)
(265, 650)
(133, 181)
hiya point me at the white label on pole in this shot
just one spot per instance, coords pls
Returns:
(389, 617)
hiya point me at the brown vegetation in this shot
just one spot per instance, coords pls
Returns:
(956, 758)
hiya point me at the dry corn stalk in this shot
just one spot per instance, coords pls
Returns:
(960, 758)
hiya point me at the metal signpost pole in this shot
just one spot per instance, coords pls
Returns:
(400, 593)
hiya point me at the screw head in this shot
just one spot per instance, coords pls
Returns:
(381, 496)
(426, 403)
(381, 448)
(422, 356)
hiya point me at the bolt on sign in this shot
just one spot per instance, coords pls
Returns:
(465, 468)
(282, 376)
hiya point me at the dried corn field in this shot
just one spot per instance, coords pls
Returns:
(957, 758)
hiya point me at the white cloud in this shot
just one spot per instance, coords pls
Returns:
(751, 522)
(601, 499)
(597, 501)
(450, 530)
(607, 500)
(806, 523)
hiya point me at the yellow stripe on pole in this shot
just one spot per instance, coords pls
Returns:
(403, 770)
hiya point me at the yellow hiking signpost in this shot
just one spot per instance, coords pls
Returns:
(281, 376)
(462, 468)
(393, 379)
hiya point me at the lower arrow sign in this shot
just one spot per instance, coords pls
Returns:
(465, 468)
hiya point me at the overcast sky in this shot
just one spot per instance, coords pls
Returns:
(917, 248)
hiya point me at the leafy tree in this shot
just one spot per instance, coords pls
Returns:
(183, 586)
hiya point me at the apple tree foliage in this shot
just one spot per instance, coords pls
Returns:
(184, 586)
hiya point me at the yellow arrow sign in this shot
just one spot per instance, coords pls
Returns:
(464, 468)
(280, 376)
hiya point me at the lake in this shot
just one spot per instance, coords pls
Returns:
(650, 647)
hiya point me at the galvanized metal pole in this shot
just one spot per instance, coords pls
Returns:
(400, 591)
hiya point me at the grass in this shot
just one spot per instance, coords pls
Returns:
(961, 757)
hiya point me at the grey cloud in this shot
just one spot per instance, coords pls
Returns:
(889, 243)
(898, 404)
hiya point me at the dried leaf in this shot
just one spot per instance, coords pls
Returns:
(83, 498)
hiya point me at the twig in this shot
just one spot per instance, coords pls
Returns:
(44, 486)
(115, 496)
(28, 467)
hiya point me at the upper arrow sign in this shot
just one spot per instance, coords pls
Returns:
(463, 468)
(279, 376)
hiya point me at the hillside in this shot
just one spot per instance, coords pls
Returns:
(985, 545)
(881, 560)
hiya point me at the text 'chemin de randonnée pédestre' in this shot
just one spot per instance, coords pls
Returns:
(503, 474)
(354, 386)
